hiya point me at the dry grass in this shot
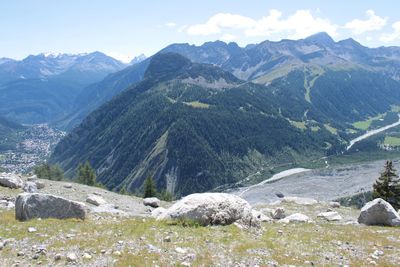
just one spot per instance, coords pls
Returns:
(321, 243)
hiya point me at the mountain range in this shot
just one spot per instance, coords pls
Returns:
(197, 117)
(43, 88)
(190, 125)
(260, 63)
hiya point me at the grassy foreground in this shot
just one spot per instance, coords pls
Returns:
(146, 242)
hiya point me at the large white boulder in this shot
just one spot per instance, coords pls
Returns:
(379, 212)
(36, 205)
(212, 209)
(10, 180)
(157, 212)
(300, 200)
(152, 202)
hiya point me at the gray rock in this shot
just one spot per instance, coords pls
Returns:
(152, 202)
(32, 229)
(260, 216)
(10, 180)
(212, 209)
(379, 212)
(95, 200)
(36, 205)
(330, 216)
(68, 186)
(157, 212)
(279, 213)
(71, 257)
(30, 187)
(40, 184)
(32, 178)
(297, 217)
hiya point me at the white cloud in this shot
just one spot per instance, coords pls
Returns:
(171, 24)
(395, 35)
(220, 21)
(227, 37)
(373, 23)
(299, 25)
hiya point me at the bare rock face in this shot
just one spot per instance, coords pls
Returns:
(152, 202)
(36, 205)
(212, 209)
(379, 212)
(10, 180)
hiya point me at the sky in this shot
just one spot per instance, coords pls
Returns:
(124, 29)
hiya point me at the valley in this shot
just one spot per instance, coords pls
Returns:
(199, 134)
(325, 184)
(33, 145)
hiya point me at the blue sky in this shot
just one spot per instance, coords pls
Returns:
(124, 29)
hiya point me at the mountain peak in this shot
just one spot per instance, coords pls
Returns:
(321, 38)
(163, 65)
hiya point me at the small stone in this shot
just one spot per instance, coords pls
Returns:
(40, 185)
(279, 213)
(120, 242)
(20, 254)
(103, 251)
(180, 250)
(68, 186)
(87, 256)
(32, 230)
(35, 257)
(167, 239)
(2, 245)
(186, 264)
(71, 257)
(117, 253)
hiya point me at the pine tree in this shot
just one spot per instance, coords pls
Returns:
(86, 174)
(123, 190)
(387, 186)
(149, 187)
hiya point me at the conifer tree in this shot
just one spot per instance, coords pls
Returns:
(387, 186)
(86, 174)
(150, 189)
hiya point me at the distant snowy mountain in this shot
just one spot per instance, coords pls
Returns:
(138, 59)
(42, 88)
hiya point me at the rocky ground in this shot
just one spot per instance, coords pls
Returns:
(323, 184)
(122, 233)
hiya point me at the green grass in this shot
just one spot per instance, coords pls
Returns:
(331, 129)
(291, 244)
(392, 141)
(197, 104)
(298, 124)
(364, 125)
